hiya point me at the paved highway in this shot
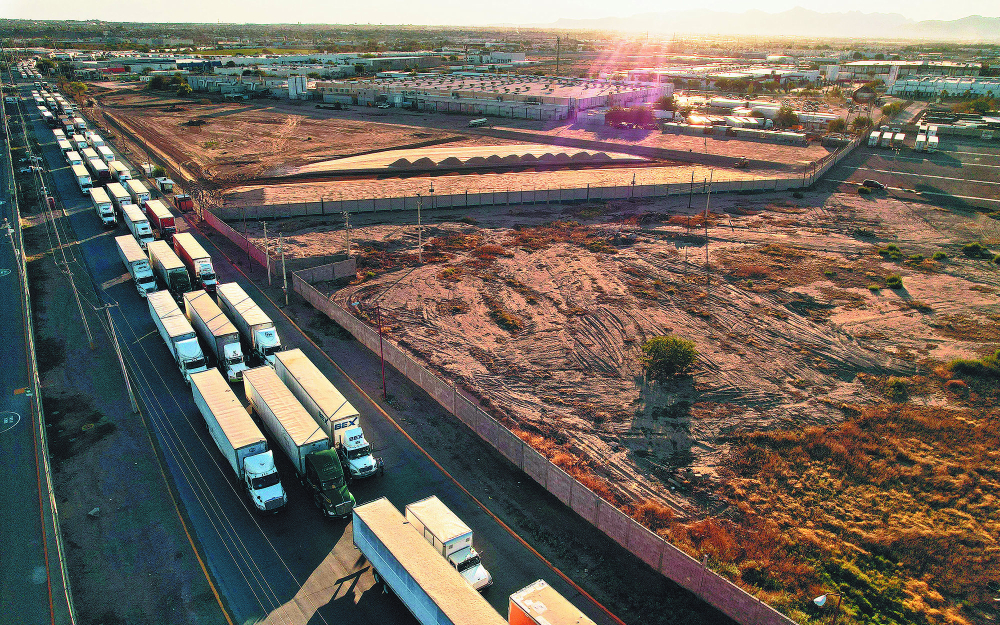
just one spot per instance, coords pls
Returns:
(294, 567)
(31, 584)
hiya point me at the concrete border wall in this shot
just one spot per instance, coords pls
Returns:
(644, 544)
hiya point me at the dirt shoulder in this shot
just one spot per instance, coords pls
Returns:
(128, 557)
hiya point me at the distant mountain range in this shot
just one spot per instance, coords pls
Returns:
(797, 22)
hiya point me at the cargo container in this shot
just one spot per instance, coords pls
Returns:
(137, 191)
(169, 269)
(184, 202)
(137, 264)
(161, 219)
(256, 328)
(239, 440)
(102, 206)
(197, 261)
(83, 179)
(540, 604)
(137, 224)
(450, 537)
(305, 444)
(429, 587)
(177, 333)
(339, 419)
(217, 331)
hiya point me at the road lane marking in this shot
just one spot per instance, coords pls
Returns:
(906, 173)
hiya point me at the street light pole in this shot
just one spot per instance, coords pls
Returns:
(420, 233)
(821, 601)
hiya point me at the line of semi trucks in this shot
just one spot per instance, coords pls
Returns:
(426, 555)
(886, 137)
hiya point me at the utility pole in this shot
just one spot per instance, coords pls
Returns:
(691, 192)
(76, 296)
(420, 234)
(378, 311)
(284, 274)
(347, 231)
(557, 56)
(121, 360)
(708, 201)
(267, 255)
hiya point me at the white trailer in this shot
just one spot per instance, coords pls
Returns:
(137, 264)
(138, 225)
(95, 140)
(79, 142)
(256, 327)
(932, 143)
(102, 206)
(450, 537)
(886, 139)
(65, 146)
(217, 331)
(83, 179)
(118, 195)
(120, 172)
(238, 439)
(920, 143)
(137, 191)
(168, 268)
(898, 139)
(339, 419)
(106, 154)
(177, 333)
(73, 158)
(297, 435)
(873, 138)
(429, 587)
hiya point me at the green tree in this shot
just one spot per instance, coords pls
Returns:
(184, 90)
(862, 123)
(157, 82)
(666, 356)
(837, 125)
(786, 117)
(45, 66)
(666, 103)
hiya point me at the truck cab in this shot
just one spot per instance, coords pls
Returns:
(263, 482)
(266, 344)
(356, 454)
(468, 563)
(325, 478)
(190, 358)
(206, 275)
(233, 362)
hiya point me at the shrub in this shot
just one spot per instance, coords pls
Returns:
(798, 195)
(864, 191)
(653, 515)
(916, 258)
(874, 288)
(159, 172)
(667, 356)
(204, 101)
(939, 256)
(987, 366)
(894, 282)
(896, 390)
(996, 259)
(976, 250)
(956, 385)
(891, 252)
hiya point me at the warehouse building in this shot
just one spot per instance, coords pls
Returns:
(882, 70)
(933, 86)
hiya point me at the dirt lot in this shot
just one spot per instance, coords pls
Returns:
(540, 312)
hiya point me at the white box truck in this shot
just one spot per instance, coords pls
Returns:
(450, 537)
(197, 261)
(137, 191)
(256, 328)
(102, 206)
(331, 410)
(177, 333)
(238, 439)
(119, 196)
(302, 441)
(119, 171)
(920, 143)
(217, 331)
(137, 224)
(83, 179)
(137, 264)
(430, 589)
(539, 604)
(168, 269)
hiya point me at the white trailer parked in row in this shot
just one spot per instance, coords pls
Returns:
(256, 327)
(83, 179)
(138, 225)
(217, 331)
(136, 263)
(331, 410)
(177, 333)
(450, 537)
(238, 439)
(102, 206)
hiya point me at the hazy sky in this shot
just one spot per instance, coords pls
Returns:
(462, 12)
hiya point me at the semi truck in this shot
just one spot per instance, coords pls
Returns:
(403, 561)
(886, 139)
(450, 537)
(83, 179)
(932, 143)
(331, 410)
(177, 333)
(119, 171)
(218, 332)
(168, 268)
(238, 439)
(99, 170)
(65, 146)
(256, 328)
(920, 143)
(873, 138)
(539, 604)
(898, 139)
(137, 224)
(106, 154)
(197, 261)
(102, 206)
(305, 444)
(137, 191)
(73, 158)
(161, 219)
(119, 196)
(136, 263)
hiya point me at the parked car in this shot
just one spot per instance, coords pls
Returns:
(873, 184)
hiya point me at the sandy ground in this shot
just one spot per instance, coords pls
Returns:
(252, 195)
(545, 322)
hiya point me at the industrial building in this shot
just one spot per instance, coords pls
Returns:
(529, 97)
(875, 70)
(933, 86)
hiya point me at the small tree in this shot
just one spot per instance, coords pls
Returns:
(786, 117)
(862, 123)
(666, 103)
(837, 125)
(157, 82)
(667, 356)
(184, 90)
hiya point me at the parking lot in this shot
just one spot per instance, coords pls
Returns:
(964, 173)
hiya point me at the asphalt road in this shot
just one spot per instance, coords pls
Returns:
(294, 566)
(963, 173)
(30, 578)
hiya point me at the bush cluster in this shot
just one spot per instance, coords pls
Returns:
(667, 356)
